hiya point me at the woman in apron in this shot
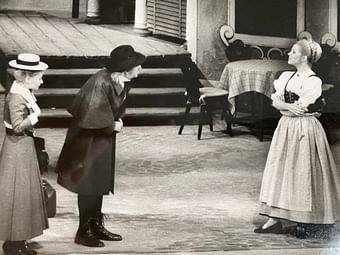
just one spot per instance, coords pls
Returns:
(300, 180)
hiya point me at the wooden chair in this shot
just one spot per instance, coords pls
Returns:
(275, 53)
(209, 97)
(328, 118)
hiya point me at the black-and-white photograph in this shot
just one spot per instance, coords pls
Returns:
(182, 127)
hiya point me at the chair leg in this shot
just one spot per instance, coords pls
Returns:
(223, 115)
(201, 120)
(185, 117)
(210, 118)
(199, 131)
(227, 116)
(229, 121)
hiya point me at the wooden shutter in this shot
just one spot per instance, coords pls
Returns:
(167, 17)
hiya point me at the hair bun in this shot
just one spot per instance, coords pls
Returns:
(315, 51)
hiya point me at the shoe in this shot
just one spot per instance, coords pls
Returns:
(85, 237)
(28, 250)
(301, 231)
(273, 229)
(17, 248)
(100, 232)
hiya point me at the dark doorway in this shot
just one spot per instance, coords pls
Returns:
(117, 11)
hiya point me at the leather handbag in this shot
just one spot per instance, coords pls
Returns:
(49, 192)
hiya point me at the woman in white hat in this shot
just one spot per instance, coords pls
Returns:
(23, 212)
(300, 182)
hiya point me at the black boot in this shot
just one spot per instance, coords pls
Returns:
(17, 248)
(86, 237)
(100, 232)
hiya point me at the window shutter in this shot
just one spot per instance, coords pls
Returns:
(167, 17)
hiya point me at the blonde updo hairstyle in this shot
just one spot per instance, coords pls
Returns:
(311, 49)
(21, 75)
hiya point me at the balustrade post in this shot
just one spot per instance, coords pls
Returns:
(93, 12)
(140, 26)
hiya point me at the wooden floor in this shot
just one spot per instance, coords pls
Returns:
(49, 35)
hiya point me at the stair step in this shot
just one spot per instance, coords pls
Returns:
(156, 91)
(149, 77)
(130, 112)
(151, 72)
(138, 97)
(158, 111)
(43, 92)
(71, 72)
(146, 72)
(55, 113)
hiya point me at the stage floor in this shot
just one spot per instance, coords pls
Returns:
(49, 35)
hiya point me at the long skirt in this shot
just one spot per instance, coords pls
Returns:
(300, 181)
(23, 211)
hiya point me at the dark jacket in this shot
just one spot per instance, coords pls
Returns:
(86, 162)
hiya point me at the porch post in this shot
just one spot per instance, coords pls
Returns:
(192, 28)
(140, 18)
(93, 12)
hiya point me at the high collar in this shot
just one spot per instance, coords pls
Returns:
(24, 92)
(118, 80)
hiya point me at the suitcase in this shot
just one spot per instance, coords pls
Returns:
(50, 198)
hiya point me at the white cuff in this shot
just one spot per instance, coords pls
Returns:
(33, 118)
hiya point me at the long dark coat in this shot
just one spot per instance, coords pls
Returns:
(86, 162)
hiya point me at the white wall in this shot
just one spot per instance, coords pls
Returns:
(211, 58)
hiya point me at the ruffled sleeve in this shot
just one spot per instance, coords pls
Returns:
(280, 83)
(311, 91)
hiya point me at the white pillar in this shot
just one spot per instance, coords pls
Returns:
(191, 28)
(93, 11)
(140, 18)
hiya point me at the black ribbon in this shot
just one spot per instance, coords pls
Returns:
(27, 63)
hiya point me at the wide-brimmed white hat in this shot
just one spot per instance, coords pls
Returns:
(29, 62)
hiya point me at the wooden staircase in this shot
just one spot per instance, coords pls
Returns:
(75, 50)
(157, 96)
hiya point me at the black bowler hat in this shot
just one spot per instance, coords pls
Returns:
(123, 58)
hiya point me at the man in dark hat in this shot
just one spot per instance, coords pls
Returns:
(86, 162)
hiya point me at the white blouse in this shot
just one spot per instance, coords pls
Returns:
(31, 102)
(307, 87)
